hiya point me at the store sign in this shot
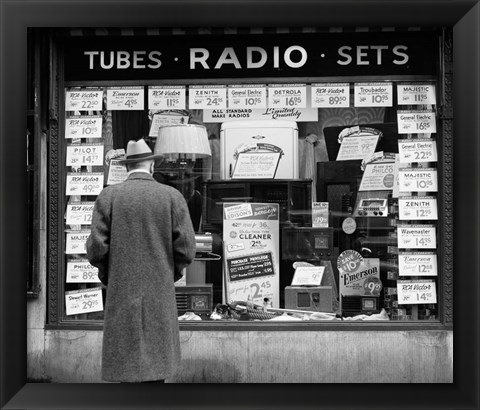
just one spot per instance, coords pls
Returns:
(79, 213)
(413, 292)
(81, 271)
(416, 94)
(417, 208)
(84, 154)
(82, 301)
(417, 180)
(242, 114)
(417, 236)
(83, 183)
(83, 126)
(417, 150)
(416, 122)
(417, 264)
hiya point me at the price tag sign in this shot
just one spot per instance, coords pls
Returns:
(82, 126)
(357, 147)
(84, 154)
(76, 241)
(415, 94)
(166, 98)
(116, 172)
(83, 183)
(417, 236)
(416, 122)
(364, 280)
(330, 95)
(417, 264)
(349, 260)
(417, 180)
(308, 276)
(378, 177)
(207, 97)
(247, 96)
(80, 271)
(125, 98)
(414, 292)
(89, 99)
(162, 120)
(417, 150)
(79, 213)
(373, 95)
(287, 96)
(320, 214)
(82, 301)
(417, 208)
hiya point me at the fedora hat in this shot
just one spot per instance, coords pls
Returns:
(138, 151)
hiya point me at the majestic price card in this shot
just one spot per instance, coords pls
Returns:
(125, 98)
(82, 126)
(76, 242)
(417, 180)
(287, 96)
(84, 154)
(79, 213)
(89, 99)
(247, 96)
(417, 150)
(330, 95)
(373, 95)
(82, 301)
(378, 177)
(80, 271)
(417, 236)
(413, 292)
(416, 122)
(418, 208)
(207, 97)
(416, 93)
(83, 183)
(417, 264)
(166, 97)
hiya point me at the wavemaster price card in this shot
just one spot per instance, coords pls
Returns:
(251, 250)
(82, 301)
(417, 236)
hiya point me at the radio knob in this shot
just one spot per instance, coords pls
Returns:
(380, 213)
(375, 212)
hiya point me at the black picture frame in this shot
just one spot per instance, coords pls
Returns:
(17, 16)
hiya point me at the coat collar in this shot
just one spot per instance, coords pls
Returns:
(140, 175)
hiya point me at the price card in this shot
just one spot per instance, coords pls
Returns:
(308, 276)
(116, 172)
(320, 214)
(80, 271)
(417, 236)
(417, 208)
(413, 292)
(82, 301)
(417, 264)
(373, 95)
(415, 94)
(76, 241)
(79, 213)
(417, 180)
(416, 122)
(207, 97)
(378, 177)
(417, 150)
(287, 96)
(125, 98)
(162, 120)
(330, 95)
(247, 96)
(357, 147)
(84, 154)
(166, 97)
(89, 99)
(84, 183)
(82, 126)
(364, 280)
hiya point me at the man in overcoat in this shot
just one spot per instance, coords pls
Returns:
(141, 238)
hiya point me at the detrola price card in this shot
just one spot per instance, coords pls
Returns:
(83, 183)
(207, 97)
(417, 264)
(287, 96)
(330, 95)
(417, 236)
(82, 126)
(166, 98)
(247, 96)
(89, 99)
(79, 213)
(417, 150)
(76, 241)
(84, 154)
(373, 95)
(413, 292)
(82, 301)
(417, 180)
(415, 94)
(81, 271)
(417, 208)
(416, 122)
(125, 98)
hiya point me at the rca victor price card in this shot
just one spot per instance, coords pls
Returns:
(373, 95)
(247, 96)
(207, 97)
(416, 122)
(417, 236)
(82, 301)
(166, 97)
(83, 126)
(89, 99)
(82, 183)
(417, 180)
(84, 154)
(79, 213)
(414, 292)
(80, 271)
(417, 208)
(417, 150)
(125, 98)
(287, 96)
(331, 95)
(76, 242)
(416, 94)
(417, 264)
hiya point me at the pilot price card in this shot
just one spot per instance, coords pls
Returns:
(76, 241)
(418, 291)
(88, 99)
(83, 126)
(417, 180)
(417, 208)
(125, 98)
(417, 150)
(84, 154)
(207, 97)
(416, 93)
(81, 271)
(373, 95)
(417, 264)
(247, 96)
(82, 301)
(416, 122)
(330, 95)
(287, 96)
(167, 97)
(84, 183)
(417, 236)
(79, 213)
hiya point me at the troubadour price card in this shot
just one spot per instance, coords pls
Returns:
(287, 96)
(84, 154)
(416, 93)
(76, 242)
(251, 250)
(417, 208)
(417, 236)
(79, 213)
(416, 122)
(83, 126)
(125, 98)
(330, 95)
(89, 99)
(417, 150)
(247, 96)
(83, 183)
(373, 95)
(413, 292)
(80, 271)
(417, 180)
(82, 301)
(166, 97)
(207, 97)
(417, 264)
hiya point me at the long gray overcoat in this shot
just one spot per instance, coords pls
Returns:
(141, 238)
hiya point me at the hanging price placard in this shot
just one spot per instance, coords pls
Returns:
(81, 271)
(320, 214)
(413, 292)
(76, 241)
(417, 208)
(416, 122)
(207, 97)
(84, 154)
(125, 98)
(416, 94)
(417, 264)
(79, 213)
(330, 95)
(82, 126)
(166, 97)
(116, 172)
(83, 183)
(417, 150)
(82, 301)
(417, 180)
(373, 95)
(89, 99)
(287, 96)
(247, 96)
(417, 236)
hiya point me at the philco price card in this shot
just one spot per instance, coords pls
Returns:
(413, 292)
(416, 122)
(330, 95)
(287, 96)
(79, 213)
(84, 100)
(76, 242)
(417, 236)
(82, 183)
(207, 97)
(81, 271)
(415, 94)
(80, 126)
(247, 96)
(373, 95)
(417, 180)
(417, 208)
(84, 154)
(125, 98)
(166, 97)
(417, 264)
(378, 177)
(82, 301)
(417, 150)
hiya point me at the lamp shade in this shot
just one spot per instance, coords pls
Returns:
(186, 140)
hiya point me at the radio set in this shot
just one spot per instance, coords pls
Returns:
(194, 298)
(372, 207)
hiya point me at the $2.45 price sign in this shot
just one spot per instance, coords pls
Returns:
(83, 301)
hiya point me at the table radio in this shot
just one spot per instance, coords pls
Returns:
(372, 207)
